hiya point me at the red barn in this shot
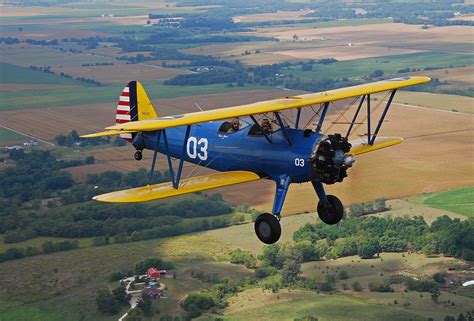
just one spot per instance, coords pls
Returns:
(153, 273)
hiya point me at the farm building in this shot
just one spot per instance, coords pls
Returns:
(153, 293)
(153, 273)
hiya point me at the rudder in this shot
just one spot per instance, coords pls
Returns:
(133, 105)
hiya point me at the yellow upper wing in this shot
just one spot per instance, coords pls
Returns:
(189, 185)
(266, 106)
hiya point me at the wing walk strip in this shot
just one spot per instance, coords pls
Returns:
(189, 185)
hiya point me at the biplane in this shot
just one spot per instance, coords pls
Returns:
(253, 142)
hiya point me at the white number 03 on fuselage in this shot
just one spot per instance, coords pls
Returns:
(252, 142)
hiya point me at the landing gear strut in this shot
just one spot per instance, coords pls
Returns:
(330, 208)
(138, 155)
(267, 228)
(331, 212)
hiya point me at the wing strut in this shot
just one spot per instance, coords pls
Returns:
(387, 106)
(174, 178)
(155, 152)
(355, 116)
(283, 128)
(323, 116)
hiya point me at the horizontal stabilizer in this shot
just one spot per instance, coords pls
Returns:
(189, 185)
(361, 147)
(107, 133)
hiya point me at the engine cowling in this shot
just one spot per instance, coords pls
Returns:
(330, 161)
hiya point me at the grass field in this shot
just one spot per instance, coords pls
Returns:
(37, 241)
(26, 55)
(9, 137)
(258, 305)
(456, 200)
(12, 74)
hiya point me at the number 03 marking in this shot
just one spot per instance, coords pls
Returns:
(197, 148)
(299, 162)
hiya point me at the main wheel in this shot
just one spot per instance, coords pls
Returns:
(331, 213)
(267, 228)
(138, 155)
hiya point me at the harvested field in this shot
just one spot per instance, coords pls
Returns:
(387, 34)
(274, 16)
(344, 52)
(458, 78)
(120, 73)
(458, 103)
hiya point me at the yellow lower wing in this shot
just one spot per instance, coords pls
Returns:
(190, 185)
(361, 147)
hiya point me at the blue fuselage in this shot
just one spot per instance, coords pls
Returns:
(208, 147)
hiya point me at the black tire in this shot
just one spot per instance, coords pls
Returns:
(267, 228)
(138, 155)
(331, 213)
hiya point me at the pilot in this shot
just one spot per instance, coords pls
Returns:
(235, 126)
(266, 126)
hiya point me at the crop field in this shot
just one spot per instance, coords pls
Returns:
(345, 52)
(458, 78)
(445, 102)
(103, 94)
(26, 55)
(121, 73)
(375, 34)
(390, 65)
(457, 200)
(12, 74)
(273, 16)
(46, 123)
(9, 137)
(325, 24)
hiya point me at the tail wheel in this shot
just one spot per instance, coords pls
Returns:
(331, 212)
(267, 228)
(138, 155)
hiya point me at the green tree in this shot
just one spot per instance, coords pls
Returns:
(134, 315)
(291, 270)
(306, 251)
(196, 303)
(273, 255)
(145, 304)
(343, 275)
(367, 248)
(106, 302)
(356, 286)
(120, 294)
